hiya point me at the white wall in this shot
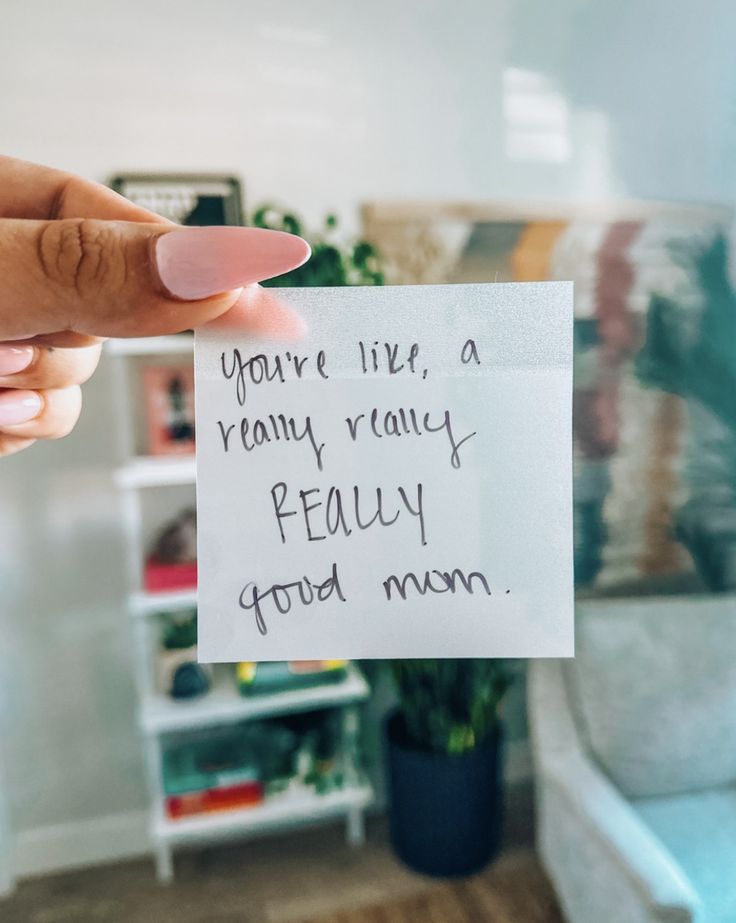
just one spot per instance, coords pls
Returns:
(319, 104)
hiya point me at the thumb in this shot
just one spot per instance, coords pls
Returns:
(122, 279)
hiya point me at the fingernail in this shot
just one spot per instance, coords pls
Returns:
(14, 358)
(19, 407)
(195, 263)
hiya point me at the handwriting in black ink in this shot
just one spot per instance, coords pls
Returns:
(259, 368)
(252, 599)
(273, 428)
(435, 581)
(407, 422)
(324, 513)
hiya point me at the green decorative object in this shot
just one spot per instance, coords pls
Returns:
(179, 673)
(179, 632)
(213, 761)
(280, 675)
(332, 262)
(449, 706)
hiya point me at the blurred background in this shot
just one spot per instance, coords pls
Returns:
(470, 141)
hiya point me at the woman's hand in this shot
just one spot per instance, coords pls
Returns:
(79, 263)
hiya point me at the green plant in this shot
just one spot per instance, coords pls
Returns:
(449, 706)
(332, 262)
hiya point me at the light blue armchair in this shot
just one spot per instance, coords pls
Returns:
(635, 751)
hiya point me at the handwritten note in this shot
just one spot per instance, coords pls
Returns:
(396, 484)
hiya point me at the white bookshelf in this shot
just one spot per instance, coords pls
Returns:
(160, 716)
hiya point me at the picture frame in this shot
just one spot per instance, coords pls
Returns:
(185, 198)
(169, 403)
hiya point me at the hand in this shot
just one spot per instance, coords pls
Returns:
(79, 263)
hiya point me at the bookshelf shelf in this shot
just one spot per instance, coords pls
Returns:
(179, 344)
(277, 812)
(156, 471)
(223, 703)
(144, 604)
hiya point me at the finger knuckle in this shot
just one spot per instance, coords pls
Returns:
(80, 254)
(64, 430)
(90, 366)
(70, 417)
(64, 368)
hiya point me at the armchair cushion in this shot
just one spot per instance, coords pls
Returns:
(652, 687)
(699, 830)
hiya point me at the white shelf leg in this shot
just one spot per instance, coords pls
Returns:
(164, 862)
(355, 827)
(161, 848)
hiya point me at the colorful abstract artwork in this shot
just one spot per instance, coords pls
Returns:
(655, 369)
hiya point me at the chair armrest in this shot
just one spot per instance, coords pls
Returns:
(614, 831)
(552, 726)
(606, 863)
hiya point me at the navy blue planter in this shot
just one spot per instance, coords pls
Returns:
(445, 809)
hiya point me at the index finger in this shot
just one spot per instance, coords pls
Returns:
(28, 190)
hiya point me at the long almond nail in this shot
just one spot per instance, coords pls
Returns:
(196, 263)
(19, 407)
(14, 359)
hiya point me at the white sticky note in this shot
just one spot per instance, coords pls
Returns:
(396, 484)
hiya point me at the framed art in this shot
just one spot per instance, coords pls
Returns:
(169, 400)
(653, 453)
(185, 198)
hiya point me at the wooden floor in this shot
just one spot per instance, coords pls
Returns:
(306, 876)
(512, 890)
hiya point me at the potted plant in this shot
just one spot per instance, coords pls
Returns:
(444, 763)
(333, 262)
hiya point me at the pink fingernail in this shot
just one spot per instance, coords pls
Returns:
(19, 407)
(198, 262)
(14, 358)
